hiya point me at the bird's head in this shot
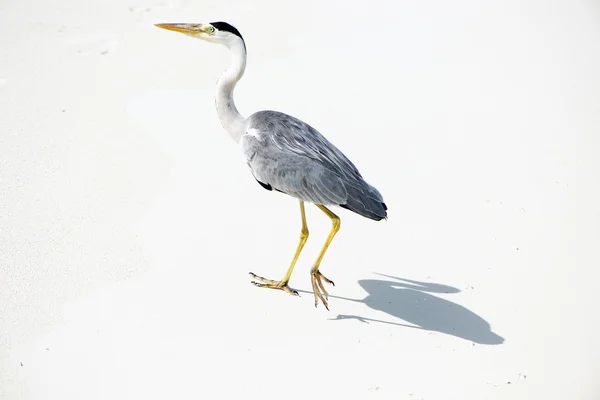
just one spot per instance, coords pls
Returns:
(214, 32)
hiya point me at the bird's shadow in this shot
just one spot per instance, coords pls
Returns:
(411, 301)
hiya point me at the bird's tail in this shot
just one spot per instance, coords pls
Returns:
(365, 200)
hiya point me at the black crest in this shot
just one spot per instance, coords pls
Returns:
(224, 26)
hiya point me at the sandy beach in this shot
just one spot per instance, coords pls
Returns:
(129, 220)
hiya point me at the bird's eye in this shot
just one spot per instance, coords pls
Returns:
(210, 29)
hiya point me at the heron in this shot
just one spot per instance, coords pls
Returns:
(287, 155)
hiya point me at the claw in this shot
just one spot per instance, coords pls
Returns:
(271, 284)
(319, 289)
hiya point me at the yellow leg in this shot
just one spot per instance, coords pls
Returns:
(316, 276)
(283, 284)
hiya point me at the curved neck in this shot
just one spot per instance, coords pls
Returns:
(231, 119)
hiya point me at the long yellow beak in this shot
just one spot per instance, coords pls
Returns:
(182, 28)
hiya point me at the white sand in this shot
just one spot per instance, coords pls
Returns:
(129, 221)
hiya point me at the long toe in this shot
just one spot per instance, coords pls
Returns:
(319, 289)
(272, 284)
(267, 282)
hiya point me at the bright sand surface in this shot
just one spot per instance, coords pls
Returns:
(129, 220)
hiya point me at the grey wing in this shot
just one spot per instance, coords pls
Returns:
(292, 174)
(292, 157)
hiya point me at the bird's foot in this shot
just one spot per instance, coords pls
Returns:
(317, 279)
(271, 284)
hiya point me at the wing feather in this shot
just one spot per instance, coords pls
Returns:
(294, 158)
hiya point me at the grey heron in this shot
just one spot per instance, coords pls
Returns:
(287, 155)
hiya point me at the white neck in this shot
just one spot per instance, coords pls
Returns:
(231, 119)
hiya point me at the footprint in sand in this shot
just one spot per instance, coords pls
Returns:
(141, 11)
(93, 44)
